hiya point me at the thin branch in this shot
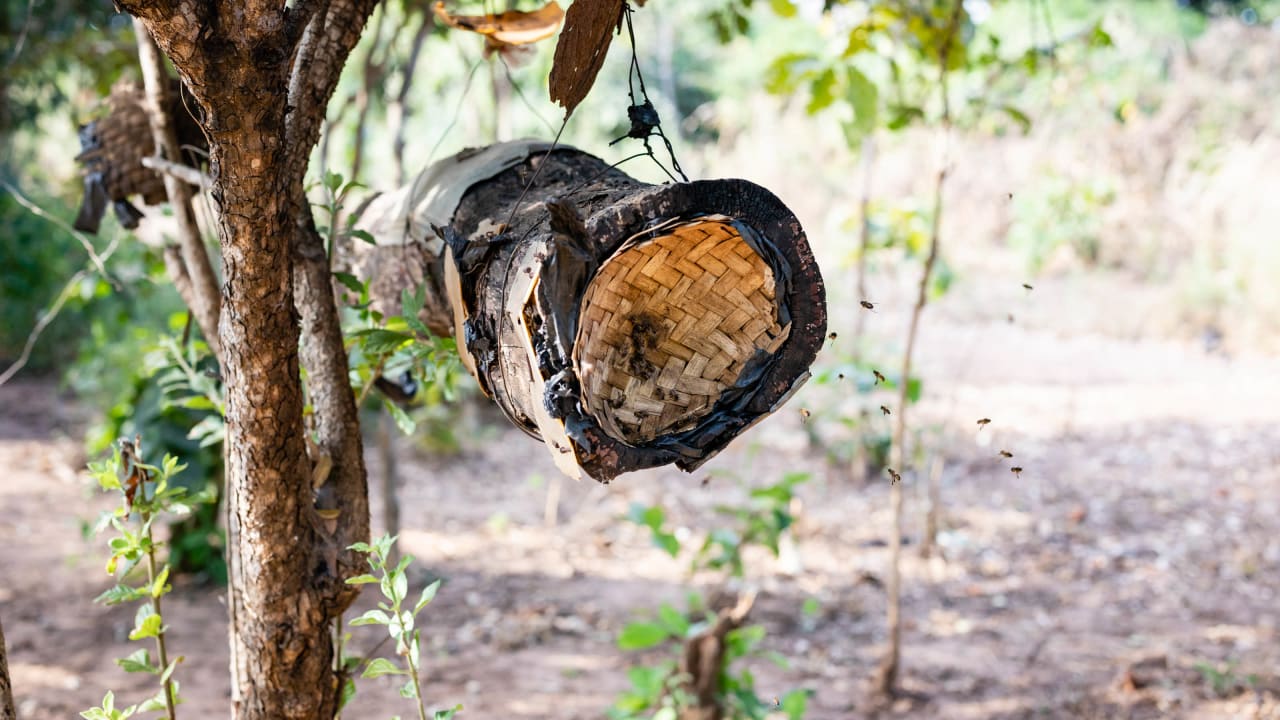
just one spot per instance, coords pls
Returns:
(7, 711)
(399, 108)
(22, 36)
(185, 173)
(887, 680)
(206, 297)
(50, 314)
(864, 239)
(98, 262)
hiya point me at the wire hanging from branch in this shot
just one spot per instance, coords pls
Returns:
(645, 122)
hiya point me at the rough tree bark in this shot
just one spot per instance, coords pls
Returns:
(7, 711)
(262, 74)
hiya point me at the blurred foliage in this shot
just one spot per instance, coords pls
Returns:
(1061, 214)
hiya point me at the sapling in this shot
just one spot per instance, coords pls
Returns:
(145, 495)
(399, 620)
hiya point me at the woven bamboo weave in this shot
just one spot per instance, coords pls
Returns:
(667, 326)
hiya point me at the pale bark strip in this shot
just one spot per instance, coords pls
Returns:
(7, 711)
(204, 298)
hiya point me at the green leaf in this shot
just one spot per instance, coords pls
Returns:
(1018, 117)
(381, 666)
(400, 582)
(168, 672)
(638, 636)
(121, 594)
(864, 97)
(403, 421)
(349, 281)
(333, 181)
(675, 621)
(348, 692)
(139, 661)
(364, 235)
(379, 341)
(795, 703)
(159, 588)
(822, 92)
(667, 542)
(786, 73)
(372, 617)
(408, 690)
(362, 580)
(428, 594)
(447, 714)
(903, 115)
(784, 8)
(150, 627)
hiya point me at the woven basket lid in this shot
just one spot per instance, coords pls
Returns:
(669, 325)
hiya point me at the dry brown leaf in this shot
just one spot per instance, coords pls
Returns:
(588, 29)
(509, 28)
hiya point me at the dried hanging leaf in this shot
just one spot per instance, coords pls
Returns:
(588, 29)
(509, 28)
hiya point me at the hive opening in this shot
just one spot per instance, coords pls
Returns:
(671, 325)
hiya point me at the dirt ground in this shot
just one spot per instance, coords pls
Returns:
(1133, 563)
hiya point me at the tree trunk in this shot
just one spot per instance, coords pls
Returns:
(7, 711)
(625, 325)
(262, 74)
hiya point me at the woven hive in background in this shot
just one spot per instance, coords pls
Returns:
(112, 148)
(625, 325)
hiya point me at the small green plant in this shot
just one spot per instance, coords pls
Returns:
(399, 620)
(664, 690)
(1222, 678)
(146, 495)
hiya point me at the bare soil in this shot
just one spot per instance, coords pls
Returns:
(1135, 561)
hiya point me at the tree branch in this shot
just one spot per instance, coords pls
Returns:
(185, 173)
(336, 420)
(7, 711)
(205, 299)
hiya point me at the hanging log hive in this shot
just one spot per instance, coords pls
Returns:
(112, 148)
(626, 325)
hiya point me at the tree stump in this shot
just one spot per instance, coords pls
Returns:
(626, 325)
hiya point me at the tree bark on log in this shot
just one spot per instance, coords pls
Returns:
(626, 325)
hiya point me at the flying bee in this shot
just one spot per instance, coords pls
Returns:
(1006, 454)
(840, 376)
(879, 377)
(867, 305)
(894, 474)
(832, 337)
(706, 481)
(1028, 287)
(884, 410)
(1016, 470)
(804, 415)
(983, 423)
(1010, 317)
